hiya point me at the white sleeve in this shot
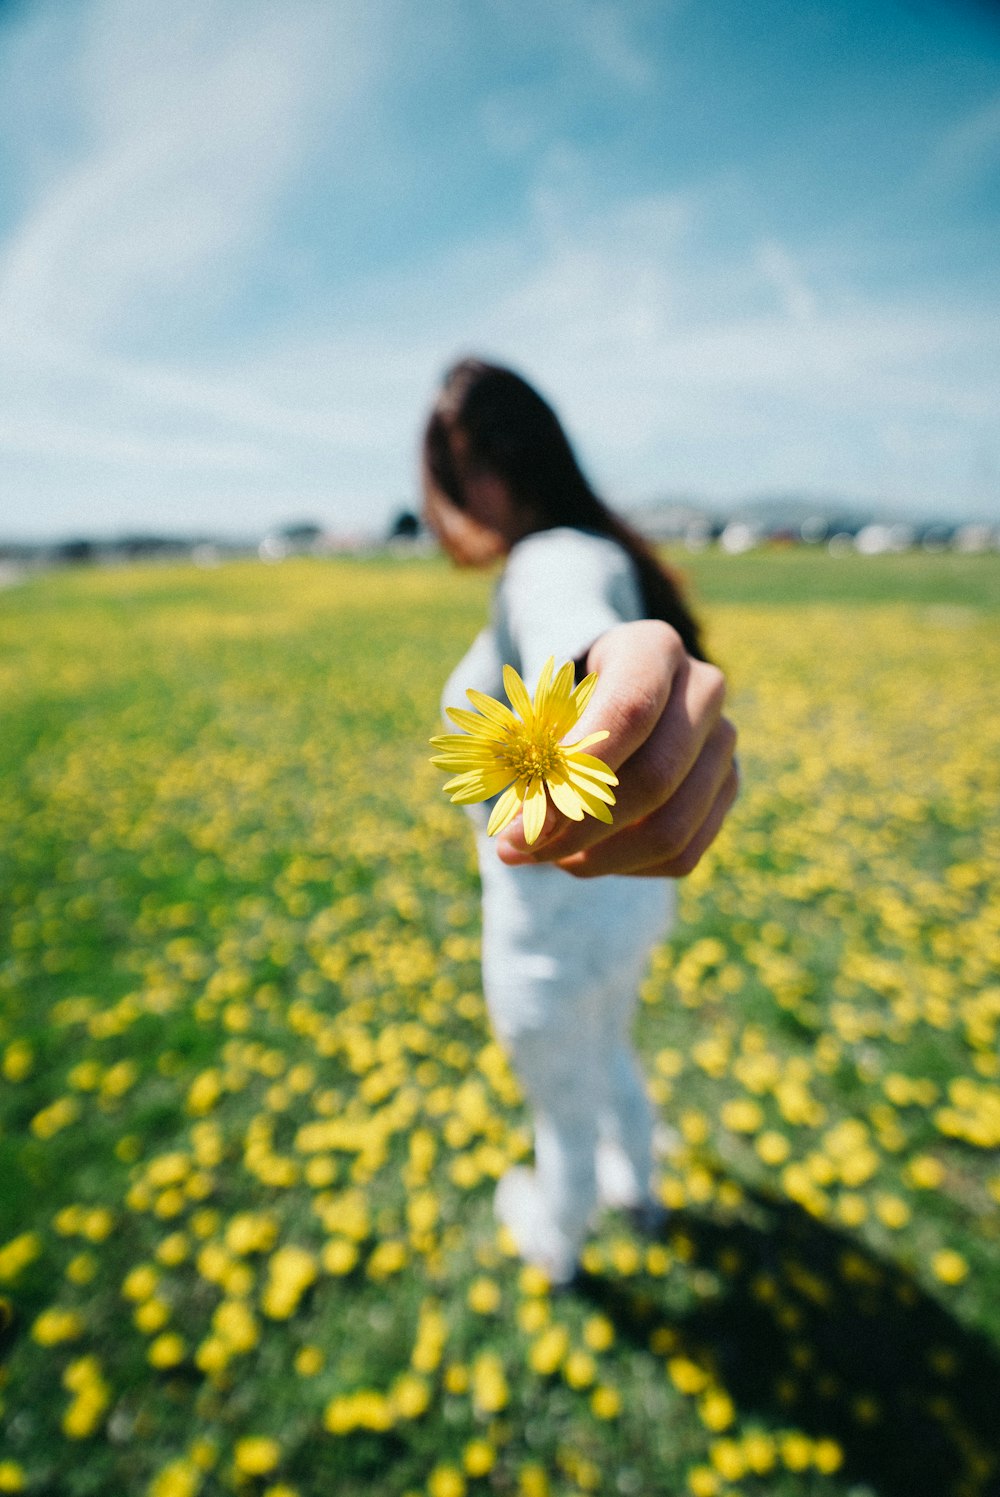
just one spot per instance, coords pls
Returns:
(561, 589)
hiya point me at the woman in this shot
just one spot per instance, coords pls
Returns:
(562, 957)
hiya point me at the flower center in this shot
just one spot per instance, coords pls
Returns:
(531, 755)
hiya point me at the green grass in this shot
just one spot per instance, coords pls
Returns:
(804, 575)
(239, 995)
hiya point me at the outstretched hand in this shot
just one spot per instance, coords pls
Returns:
(673, 752)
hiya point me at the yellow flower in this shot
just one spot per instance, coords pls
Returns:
(17, 1254)
(167, 1350)
(579, 1369)
(484, 1295)
(605, 1402)
(728, 1459)
(489, 1385)
(716, 1410)
(256, 1455)
(55, 1325)
(532, 1481)
(140, 1283)
(950, 1267)
(827, 1456)
(522, 753)
(179, 1479)
(479, 1457)
(309, 1361)
(759, 1450)
(446, 1481)
(549, 1351)
(796, 1450)
(598, 1332)
(233, 1322)
(410, 1396)
(151, 1316)
(339, 1256)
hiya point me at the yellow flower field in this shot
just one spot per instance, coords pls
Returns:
(251, 1115)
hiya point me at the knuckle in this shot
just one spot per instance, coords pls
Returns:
(638, 713)
(667, 637)
(713, 683)
(675, 846)
(729, 735)
(686, 862)
(651, 780)
(670, 834)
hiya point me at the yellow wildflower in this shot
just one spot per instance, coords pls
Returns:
(489, 1385)
(410, 1396)
(605, 1402)
(446, 1481)
(17, 1254)
(479, 1457)
(579, 1369)
(256, 1455)
(950, 1267)
(309, 1361)
(484, 1295)
(167, 1350)
(55, 1325)
(179, 1479)
(549, 1351)
(522, 753)
(598, 1332)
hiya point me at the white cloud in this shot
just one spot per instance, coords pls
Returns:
(603, 35)
(783, 272)
(194, 119)
(684, 350)
(88, 442)
(673, 373)
(969, 148)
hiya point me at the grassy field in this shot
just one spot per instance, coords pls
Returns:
(251, 1115)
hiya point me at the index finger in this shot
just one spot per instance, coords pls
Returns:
(637, 665)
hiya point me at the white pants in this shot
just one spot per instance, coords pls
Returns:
(562, 961)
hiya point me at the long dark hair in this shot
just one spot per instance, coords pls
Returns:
(513, 433)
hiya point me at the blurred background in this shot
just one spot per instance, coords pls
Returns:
(750, 252)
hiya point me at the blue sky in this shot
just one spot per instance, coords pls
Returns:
(743, 248)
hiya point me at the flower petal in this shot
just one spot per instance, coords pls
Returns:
(535, 806)
(565, 798)
(518, 693)
(542, 689)
(504, 811)
(496, 711)
(593, 788)
(455, 762)
(591, 738)
(559, 708)
(594, 806)
(479, 727)
(591, 766)
(462, 743)
(583, 694)
(465, 789)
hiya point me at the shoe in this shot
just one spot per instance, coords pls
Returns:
(617, 1186)
(519, 1207)
(649, 1219)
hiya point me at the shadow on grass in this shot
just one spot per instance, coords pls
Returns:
(811, 1330)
